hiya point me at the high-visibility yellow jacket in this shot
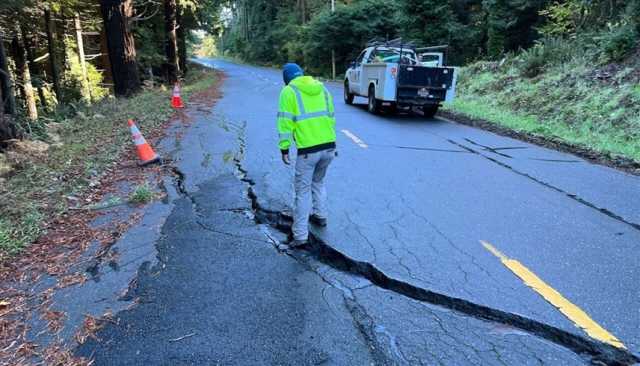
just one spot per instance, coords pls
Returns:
(306, 116)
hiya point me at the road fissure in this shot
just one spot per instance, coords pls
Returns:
(328, 255)
(572, 196)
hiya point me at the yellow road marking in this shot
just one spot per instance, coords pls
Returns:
(355, 139)
(571, 311)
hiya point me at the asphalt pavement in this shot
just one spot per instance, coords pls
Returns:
(446, 245)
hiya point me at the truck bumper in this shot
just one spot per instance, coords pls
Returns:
(410, 96)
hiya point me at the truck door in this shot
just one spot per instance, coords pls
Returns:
(356, 76)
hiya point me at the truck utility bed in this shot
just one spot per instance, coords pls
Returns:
(421, 76)
(419, 83)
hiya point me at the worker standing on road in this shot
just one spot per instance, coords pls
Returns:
(306, 116)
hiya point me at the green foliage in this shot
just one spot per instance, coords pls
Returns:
(141, 195)
(72, 81)
(511, 24)
(206, 47)
(618, 43)
(563, 18)
(346, 31)
(455, 23)
(93, 137)
(14, 237)
(550, 51)
(563, 101)
(272, 31)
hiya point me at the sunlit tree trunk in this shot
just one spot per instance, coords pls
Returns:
(171, 42)
(30, 45)
(182, 44)
(24, 76)
(86, 90)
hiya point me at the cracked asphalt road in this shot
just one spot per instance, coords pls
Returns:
(412, 200)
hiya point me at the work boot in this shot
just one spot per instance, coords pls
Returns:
(295, 243)
(316, 220)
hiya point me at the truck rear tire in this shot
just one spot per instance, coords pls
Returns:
(373, 106)
(348, 96)
(430, 110)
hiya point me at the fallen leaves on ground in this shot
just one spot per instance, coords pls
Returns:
(67, 237)
(55, 320)
(72, 280)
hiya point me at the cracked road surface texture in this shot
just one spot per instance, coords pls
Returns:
(399, 276)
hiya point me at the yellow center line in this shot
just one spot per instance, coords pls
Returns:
(566, 307)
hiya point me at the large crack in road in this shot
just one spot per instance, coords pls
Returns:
(597, 352)
(572, 196)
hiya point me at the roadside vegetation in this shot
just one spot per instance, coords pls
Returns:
(68, 87)
(50, 175)
(583, 89)
(142, 194)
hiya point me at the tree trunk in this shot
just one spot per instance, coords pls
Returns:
(497, 21)
(116, 15)
(245, 19)
(8, 97)
(8, 129)
(302, 7)
(62, 33)
(52, 54)
(105, 63)
(171, 45)
(24, 76)
(86, 90)
(182, 44)
(30, 45)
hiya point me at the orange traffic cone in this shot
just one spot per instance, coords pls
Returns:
(176, 100)
(145, 152)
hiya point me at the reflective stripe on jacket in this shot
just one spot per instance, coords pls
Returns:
(306, 116)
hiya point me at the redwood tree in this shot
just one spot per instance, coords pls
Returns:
(171, 45)
(117, 15)
(23, 75)
(53, 58)
(8, 129)
(30, 44)
(182, 44)
(6, 86)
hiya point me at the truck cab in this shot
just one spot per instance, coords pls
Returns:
(398, 77)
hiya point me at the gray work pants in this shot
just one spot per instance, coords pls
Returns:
(309, 187)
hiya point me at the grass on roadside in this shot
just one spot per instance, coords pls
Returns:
(91, 141)
(567, 102)
(142, 194)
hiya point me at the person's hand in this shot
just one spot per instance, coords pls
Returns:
(285, 159)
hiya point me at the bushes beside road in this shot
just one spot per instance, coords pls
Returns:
(558, 90)
(43, 178)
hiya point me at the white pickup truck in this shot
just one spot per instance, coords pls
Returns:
(395, 76)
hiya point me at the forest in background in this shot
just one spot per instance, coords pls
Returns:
(306, 31)
(71, 73)
(55, 54)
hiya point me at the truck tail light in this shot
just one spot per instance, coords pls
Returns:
(394, 72)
